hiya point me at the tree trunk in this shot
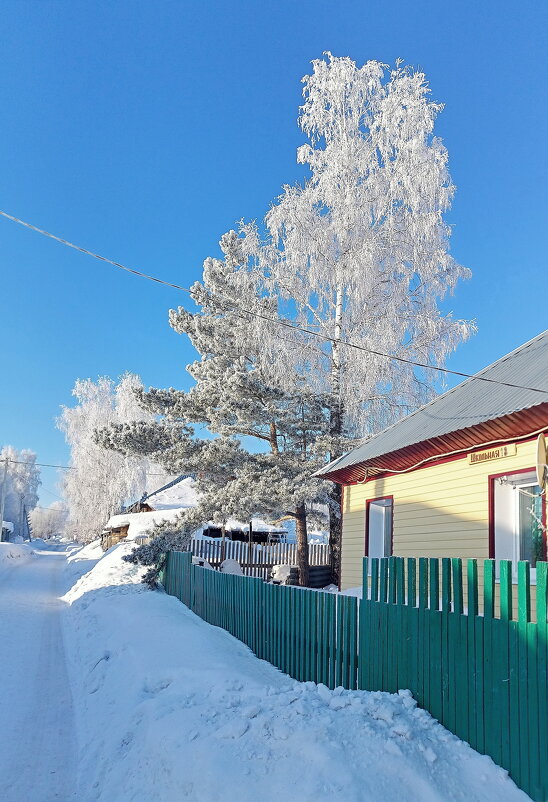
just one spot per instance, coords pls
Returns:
(336, 363)
(223, 542)
(335, 533)
(335, 430)
(274, 439)
(302, 545)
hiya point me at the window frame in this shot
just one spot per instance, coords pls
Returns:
(518, 487)
(368, 503)
(492, 478)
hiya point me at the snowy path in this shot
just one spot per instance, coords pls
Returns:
(37, 737)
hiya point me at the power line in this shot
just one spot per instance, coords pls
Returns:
(64, 467)
(50, 492)
(279, 322)
(40, 464)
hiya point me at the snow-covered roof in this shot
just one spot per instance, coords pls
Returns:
(181, 495)
(141, 522)
(7, 525)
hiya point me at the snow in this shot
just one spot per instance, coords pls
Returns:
(38, 758)
(318, 537)
(168, 707)
(231, 567)
(7, 525)
(180, 496)
(140, 523)
(281, 573)
(10, 552)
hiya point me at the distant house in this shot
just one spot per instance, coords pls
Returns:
(456, 478)
(166, 504)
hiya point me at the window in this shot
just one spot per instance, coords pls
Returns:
(378, 527)
(529, 523)
(518, 519)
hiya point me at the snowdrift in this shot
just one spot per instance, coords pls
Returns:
(169, 707)
(10, 553)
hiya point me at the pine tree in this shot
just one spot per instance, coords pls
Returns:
(236, 397)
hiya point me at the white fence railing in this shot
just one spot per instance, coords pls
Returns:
(256, 559)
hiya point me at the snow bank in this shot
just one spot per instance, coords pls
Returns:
(170, 708)
(11, 553)
(231, 567)
(108, 572)
(82, 559)
(40, 543)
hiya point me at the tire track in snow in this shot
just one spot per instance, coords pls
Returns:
(38, 750)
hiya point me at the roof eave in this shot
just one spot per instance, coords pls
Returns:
(517, 425)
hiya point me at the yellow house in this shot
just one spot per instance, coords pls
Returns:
(456, 478)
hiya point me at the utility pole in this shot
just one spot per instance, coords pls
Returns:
(3, 497)
(26, 519)
(21, 510)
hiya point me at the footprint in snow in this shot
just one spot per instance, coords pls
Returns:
(151, 689)
(234, 729)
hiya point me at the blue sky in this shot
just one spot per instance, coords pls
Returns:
(144, 130)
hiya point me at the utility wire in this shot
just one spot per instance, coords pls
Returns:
(64, 467)
(284, 323)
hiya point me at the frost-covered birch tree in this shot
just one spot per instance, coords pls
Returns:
(22, 483)
(359, 252)
(235, 396)
(48, 521)
(99, 481)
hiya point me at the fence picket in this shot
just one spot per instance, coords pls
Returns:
(524, 616)
(447, 645)
(542, 673)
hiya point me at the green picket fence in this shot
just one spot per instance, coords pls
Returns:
(418, 627)
(483, 677)
(307, 634)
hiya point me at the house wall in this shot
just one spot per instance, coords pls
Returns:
(439, 511)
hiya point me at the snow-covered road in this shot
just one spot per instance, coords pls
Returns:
(37, 743)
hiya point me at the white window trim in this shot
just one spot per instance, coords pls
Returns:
(517, 481)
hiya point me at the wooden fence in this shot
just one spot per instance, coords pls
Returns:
(484, 677)
(255, 559)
